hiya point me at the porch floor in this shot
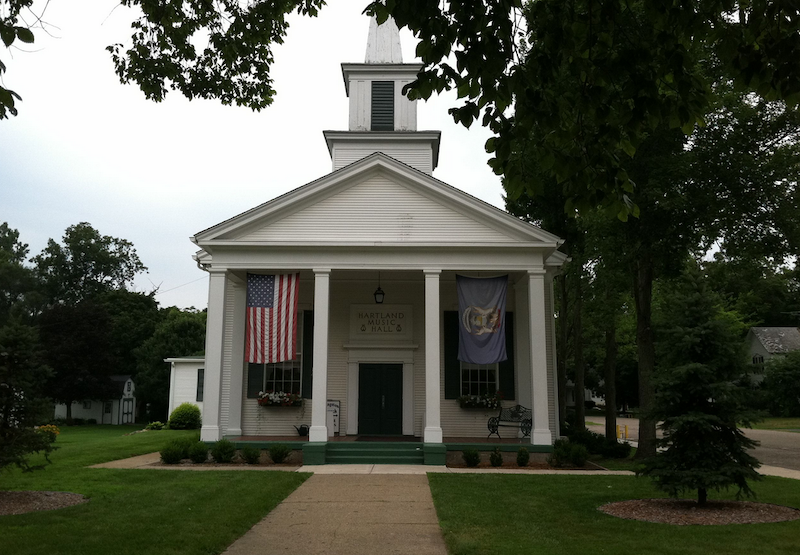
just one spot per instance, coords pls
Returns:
(389, 439)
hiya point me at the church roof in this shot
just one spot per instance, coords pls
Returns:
(778, 340)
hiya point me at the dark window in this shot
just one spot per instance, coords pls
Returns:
(470, 379)
(107, 408)
(382, 106)
(201, 378)
(478, 379)
(87, 405)
(291, 376)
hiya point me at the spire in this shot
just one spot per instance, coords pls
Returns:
(383, 43)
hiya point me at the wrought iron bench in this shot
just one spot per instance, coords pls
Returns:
(511, 417)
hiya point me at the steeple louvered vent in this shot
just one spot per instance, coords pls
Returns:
(382, 106)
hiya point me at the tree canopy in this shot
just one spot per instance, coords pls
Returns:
(631, 66)
(87, 264)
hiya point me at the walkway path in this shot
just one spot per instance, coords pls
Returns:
(346, 514)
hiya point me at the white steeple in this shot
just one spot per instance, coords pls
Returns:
(383, 43)
(382, 118)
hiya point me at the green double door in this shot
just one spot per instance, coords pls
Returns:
(380, 399)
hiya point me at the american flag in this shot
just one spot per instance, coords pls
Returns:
(271, 329)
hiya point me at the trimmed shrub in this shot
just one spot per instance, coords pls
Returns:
(612, 449)
(92, 421)
(472, 457)
(173, 453)
(496, 457)
(198, 452)
(76, 422)
(223, 451)
(186, 416)
(185, 443)
(566, 453)
(523, 457)
(594, 443)
(155, 426)
(279, 452)
(250, 454)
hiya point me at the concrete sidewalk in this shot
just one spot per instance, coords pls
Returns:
(346, 514)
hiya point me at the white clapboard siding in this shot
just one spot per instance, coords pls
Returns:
(185, 386)
(420, 157)
(377, 210)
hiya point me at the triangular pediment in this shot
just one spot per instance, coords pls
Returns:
(376, 200)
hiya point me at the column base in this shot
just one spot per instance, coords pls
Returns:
(541, 437)
(210, 433)
(432, 434)
(318, 433)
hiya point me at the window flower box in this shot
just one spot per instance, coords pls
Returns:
(490, 402)
(279, 399)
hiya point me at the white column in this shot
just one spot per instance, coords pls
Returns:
(236, 392)
(319, 390)
(433, 421)
(215, 321)
(538, 357)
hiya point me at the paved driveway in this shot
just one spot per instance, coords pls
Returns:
(781, 449)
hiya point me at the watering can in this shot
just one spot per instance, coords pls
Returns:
(302, 430)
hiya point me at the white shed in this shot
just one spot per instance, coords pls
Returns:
(186, 381)
(120, 409)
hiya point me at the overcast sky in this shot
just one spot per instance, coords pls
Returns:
(85, 148)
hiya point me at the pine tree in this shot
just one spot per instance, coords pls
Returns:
(699, 399)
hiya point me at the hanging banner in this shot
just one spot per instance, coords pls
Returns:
(481, 312)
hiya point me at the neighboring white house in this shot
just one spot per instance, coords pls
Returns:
(768, 342)
(380, 220)
(120, 409)
(186, 380)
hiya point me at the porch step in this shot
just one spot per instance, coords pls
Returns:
(374, 453)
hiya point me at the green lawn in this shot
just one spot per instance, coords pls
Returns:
(137, 511)
(777, 423)
(499, 514)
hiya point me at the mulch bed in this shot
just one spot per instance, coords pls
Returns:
(531, 466)
(21, 502)
(685, 512)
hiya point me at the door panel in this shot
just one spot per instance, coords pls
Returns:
(127, 411)
(380, 399)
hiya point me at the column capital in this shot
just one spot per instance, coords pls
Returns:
(217, 271)
(321, 271)
(532, 272)
(431, 272)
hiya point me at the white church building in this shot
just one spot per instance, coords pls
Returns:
(377, 244)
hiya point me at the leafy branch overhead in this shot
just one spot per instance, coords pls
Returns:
(632, 66)
(204, 49)
(592, 77)
(10, 32)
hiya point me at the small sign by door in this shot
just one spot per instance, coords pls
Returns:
(332, 421)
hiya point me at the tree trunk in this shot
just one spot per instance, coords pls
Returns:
(702, 496)
(610, 376)
(69, 411)
(577, 348)
(643, 297)
(563, 336)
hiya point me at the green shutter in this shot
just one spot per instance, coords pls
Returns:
(308, 351)
(255, 379)
(507, 366)
(452, 368)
